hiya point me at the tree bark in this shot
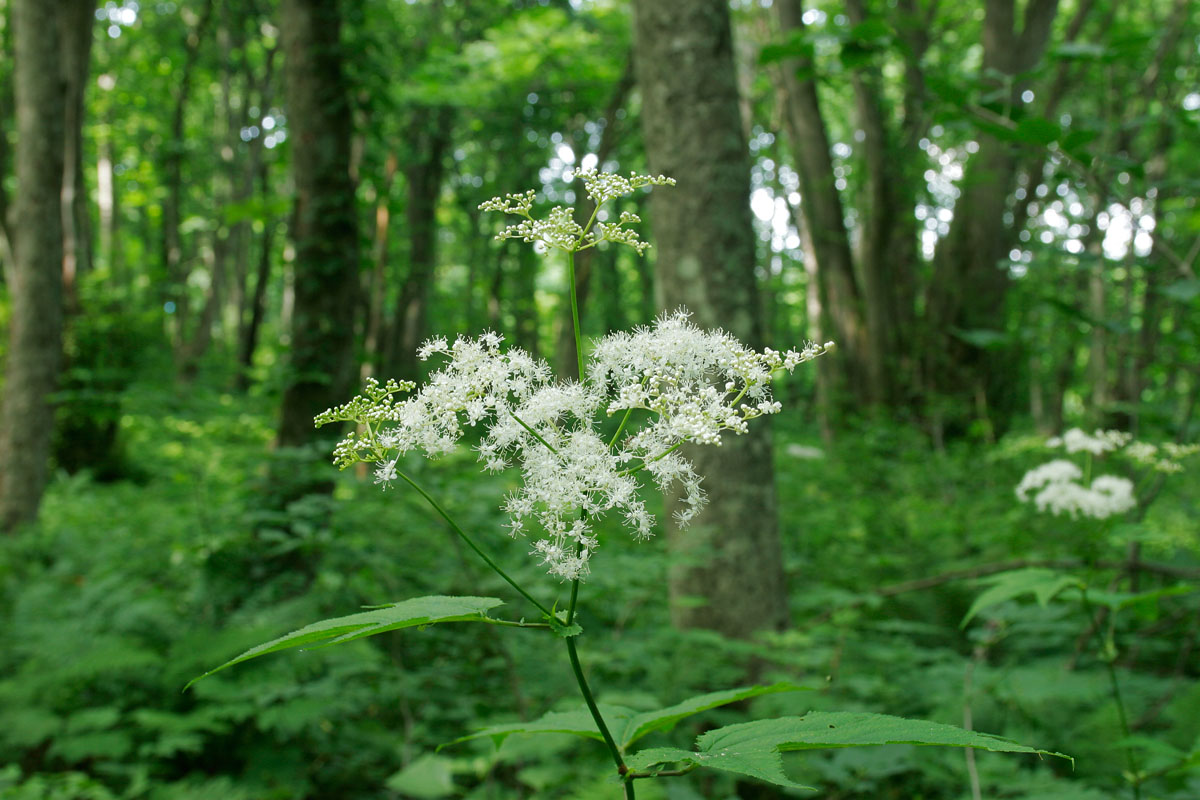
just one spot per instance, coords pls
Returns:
(841, 301)
(172, 242)
(430, 134)
(75, 25)
(324, 224)
(731, 555)
(969, 288)
(35, 275)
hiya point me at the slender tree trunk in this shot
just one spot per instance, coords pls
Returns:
(75, 25)
(248, 338)
(172, 242)
(324, 224)
(841, 301)
(431, 135)
(373, 340)
(35, 275)
(731, 555)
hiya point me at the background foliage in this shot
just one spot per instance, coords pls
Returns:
(169, 532)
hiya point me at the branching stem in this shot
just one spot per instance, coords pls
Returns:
(470, 543)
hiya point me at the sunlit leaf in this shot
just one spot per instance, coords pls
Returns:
(406, 614)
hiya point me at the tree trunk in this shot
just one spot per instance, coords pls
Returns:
(969, 288)
(172, 242)
(430, 136)
(75, 24)
(731, 555)
(841, 302)
(35, 276)
(248, 336)
(324, 224)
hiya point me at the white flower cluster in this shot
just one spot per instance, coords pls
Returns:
(1098, 443)
(696, 384)
(1161, 458)
(1059, 490)
(1058, 484)
(560, 231)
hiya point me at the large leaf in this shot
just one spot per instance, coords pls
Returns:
(753, 748)
(405, 614)
(625, 724)
(665, 718)
(575, 723)
(1044, 584)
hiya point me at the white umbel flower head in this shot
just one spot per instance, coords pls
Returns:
(1056, 487)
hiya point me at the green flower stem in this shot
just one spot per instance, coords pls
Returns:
(658, 457)
(535, 434)
(463, 535)
(575, 313)
(620, 428)
(586, 691)
(572, 652)
(1130, 757)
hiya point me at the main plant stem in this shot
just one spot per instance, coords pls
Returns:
(586, 691)
(572, 651)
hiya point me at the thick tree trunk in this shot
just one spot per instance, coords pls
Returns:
(730, 555)
(35, 276)
(324, 225)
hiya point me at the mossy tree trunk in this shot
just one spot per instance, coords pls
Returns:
(35, 274)
(730, 557)
(324, 228)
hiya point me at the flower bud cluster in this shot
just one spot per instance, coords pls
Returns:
(604, 186)
(560, 231)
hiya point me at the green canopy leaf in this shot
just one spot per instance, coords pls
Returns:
(405, 614)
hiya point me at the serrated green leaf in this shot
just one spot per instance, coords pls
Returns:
(753, 748)
(754, 762)
(405, 614)
(1042, 583)
(562, 630)
(665, 719)
(574, 723)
